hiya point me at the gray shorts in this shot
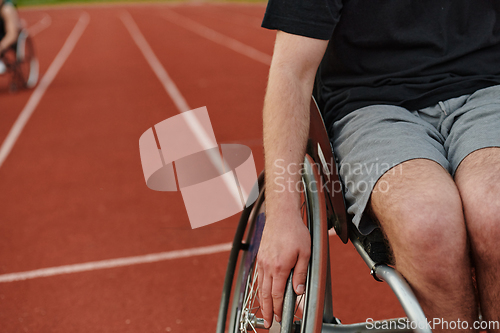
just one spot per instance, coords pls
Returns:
(376, 139)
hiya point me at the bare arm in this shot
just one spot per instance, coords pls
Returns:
(11, 19)
(286, 241)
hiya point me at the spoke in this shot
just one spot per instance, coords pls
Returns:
(255, 276)
(250, 292)
(253, 300)
(253, 328)
(249, 309)
(298, 305)
(247, 297)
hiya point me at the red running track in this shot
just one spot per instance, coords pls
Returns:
(72, 189)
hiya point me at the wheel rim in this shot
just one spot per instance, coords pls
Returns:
(309, 318)
(248, 315)
(27, 63)
(33, 73)
(24, 69)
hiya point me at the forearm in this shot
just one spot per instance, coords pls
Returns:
(285, 242)
(286, 118)
(7, 41)
(12, 25)
(286, 127)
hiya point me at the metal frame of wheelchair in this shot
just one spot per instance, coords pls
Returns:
(324, 211)
(21, 62)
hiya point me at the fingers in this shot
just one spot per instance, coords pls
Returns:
(266, 301)
(300, 273)
(271, 293)
(278, 291)
(285, 248)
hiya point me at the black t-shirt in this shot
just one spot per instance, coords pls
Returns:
(411, 53)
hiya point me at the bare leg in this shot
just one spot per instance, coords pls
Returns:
(419, 208)
(478, 180)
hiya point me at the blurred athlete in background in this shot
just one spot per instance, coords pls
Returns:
(10, 25)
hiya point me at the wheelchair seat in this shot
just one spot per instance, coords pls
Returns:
(320, 149)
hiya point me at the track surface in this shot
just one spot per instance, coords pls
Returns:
(72, 189)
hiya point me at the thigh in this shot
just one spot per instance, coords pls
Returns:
(473, 150)
(374, 140)
(473, 126)
(420, 210)
(478, 180)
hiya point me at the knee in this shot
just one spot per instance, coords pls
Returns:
(423, 219)
(432, 238)
(482, 215)
(478, 179)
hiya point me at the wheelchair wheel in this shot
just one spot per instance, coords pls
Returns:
(300, 314)
(26, 61)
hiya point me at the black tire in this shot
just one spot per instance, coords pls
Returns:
(239, 314)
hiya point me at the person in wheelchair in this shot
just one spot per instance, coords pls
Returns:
(410, 94)
(10, 26)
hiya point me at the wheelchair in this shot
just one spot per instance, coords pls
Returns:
(323, 208)
(21, 63)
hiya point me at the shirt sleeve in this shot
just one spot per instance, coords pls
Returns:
(309, 18)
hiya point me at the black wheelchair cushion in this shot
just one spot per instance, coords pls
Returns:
(376, 245)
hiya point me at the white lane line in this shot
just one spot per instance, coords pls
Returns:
(112, 263)
(40, 25)
(217, 37)
(155, 64)
(171, 88)
(39, 91)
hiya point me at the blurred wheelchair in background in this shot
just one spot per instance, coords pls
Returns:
(21, 63)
